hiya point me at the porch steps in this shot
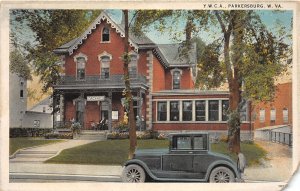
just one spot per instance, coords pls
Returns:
(92, 135)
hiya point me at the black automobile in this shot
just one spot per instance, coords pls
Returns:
(188, 159)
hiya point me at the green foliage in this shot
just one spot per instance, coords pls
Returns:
(52, 28)
(19, 65)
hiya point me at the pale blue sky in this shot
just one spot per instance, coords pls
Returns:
(270, 18)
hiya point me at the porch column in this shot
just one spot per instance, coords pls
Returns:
(109, 100)
(62, 107)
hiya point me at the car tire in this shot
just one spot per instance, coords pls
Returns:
(133, 173)
(221, 175)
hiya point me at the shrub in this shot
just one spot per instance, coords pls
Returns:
(28, 132)
(224, 138)
(121, 127)
(59, 136)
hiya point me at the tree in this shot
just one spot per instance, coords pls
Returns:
(19, 65)
(247, 56)
(51, 29)
(127, 92)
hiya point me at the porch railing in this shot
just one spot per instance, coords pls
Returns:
(283, 138)
(115, 79)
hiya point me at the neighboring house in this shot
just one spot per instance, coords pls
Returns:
(40, 115)
(162, 83)
(277, 112)
(17, 100)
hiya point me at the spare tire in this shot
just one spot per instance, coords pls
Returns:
(241, 162)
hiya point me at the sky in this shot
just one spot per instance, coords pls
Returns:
(270, 18)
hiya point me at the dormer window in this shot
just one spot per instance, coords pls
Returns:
(176, 73)
(105, 35)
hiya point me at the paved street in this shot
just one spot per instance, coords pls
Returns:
(276, 169)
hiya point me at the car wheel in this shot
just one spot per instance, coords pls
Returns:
(221, 175)
(133, 173)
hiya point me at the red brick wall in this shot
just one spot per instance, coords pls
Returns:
(186, 81)
(92, 113)
(159, 80)
(283, 99)
(92, 47)
(70, 110)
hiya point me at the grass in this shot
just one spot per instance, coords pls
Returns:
(22, 142)
(114, 152)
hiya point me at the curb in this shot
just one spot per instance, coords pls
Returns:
(75, 177)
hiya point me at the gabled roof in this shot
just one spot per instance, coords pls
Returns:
(134, 41)
(170, 55)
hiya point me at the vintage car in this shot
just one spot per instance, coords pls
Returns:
(188, 159)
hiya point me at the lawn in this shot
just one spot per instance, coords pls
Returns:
(114, 152)
(24, 142)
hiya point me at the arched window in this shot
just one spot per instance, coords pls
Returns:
(105, 35)
(80, 65)
(176, 79)
(105, 65)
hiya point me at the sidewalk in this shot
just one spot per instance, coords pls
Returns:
(277, 169)
(98, 173)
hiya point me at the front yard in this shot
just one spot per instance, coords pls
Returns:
(114, 152)
(24, 142)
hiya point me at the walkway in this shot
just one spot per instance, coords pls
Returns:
(43, 153)
(277, 169)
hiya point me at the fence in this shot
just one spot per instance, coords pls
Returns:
(283, 138)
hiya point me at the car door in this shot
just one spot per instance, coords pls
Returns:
(178, 163)
(201, 159)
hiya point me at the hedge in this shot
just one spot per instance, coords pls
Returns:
(28, 132)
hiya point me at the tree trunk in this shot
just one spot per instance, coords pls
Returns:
(128, 94)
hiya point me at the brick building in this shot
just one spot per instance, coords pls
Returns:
(162, 82)
(277, 112)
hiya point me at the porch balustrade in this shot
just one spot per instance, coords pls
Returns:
(102, 80)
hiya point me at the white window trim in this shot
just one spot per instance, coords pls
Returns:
(193, 110)
(172, 73)
(80, 55)
(100, 56)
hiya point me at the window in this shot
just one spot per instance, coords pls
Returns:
(162, 111)
(187, 110)
(213, 110)
(105, 64)
(105, 34)
(176, 80)
(174, 111)
(132, 67)
(273, 115)
(285, 113)
(200, 110)
(225, 106)
(262, 115)
(200, 142)
(182, 143)
(80, 61)
(21, 93)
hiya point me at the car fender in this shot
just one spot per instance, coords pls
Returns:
(142, 164)
(221, 163)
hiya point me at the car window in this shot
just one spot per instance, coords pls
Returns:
(184, 143)
(200, 142)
